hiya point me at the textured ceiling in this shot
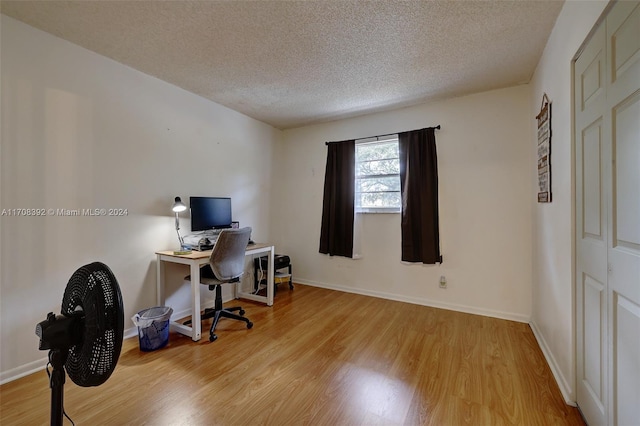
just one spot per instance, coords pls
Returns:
(290, 63)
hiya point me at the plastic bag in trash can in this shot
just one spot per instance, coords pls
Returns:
(153, 327)
(145, 318)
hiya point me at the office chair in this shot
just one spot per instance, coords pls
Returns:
(226, 266)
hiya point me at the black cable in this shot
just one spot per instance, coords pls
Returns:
(68, 418)
(46, 368)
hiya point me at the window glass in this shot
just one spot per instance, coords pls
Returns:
(377, 176)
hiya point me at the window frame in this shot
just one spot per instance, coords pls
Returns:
(373, 141)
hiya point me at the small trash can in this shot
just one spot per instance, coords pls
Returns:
(153, 327)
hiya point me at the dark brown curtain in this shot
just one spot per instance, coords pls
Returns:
(336, 234)
(419, 188)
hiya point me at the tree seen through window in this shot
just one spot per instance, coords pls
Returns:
(377, 176)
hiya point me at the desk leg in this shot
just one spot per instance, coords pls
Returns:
(159, 282)
(196, 325)
(270, 275)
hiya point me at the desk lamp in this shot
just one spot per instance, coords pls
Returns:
(178, 206)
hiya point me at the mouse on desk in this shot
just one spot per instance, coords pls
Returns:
(251, 242)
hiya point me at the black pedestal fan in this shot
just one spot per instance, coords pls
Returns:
(86, 339)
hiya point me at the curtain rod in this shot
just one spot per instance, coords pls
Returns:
(390, 134)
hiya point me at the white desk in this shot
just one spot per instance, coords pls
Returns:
(195, 260)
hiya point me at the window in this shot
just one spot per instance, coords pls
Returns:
(377, 186)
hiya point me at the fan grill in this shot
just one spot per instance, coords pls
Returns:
(94, 292)
(101, 359)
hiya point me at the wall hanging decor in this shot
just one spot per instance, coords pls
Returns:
(544, 151)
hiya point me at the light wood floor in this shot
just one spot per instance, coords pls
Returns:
(320, 357)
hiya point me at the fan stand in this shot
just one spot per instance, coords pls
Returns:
(57, 358)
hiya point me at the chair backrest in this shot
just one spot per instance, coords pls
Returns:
(227, 257)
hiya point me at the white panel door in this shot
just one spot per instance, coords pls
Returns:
(591, 229)
(623, 109)
(607, 134)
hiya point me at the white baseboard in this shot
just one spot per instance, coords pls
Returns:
(420, 301)
(24, 370)
(39, 365)
(563, 383)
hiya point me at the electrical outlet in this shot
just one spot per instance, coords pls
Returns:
(443, 281)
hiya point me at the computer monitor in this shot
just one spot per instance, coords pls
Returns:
(210, 213)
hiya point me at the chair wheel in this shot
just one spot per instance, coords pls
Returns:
(241, 312)
(249, 324)
(213, 338)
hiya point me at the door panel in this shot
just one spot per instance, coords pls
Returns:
(592, 80)
(594, 300)
(625, 37)
(623, 254)
(607, 149)
(626, 178)
(591, 230)
(592, 188)
(627, 359)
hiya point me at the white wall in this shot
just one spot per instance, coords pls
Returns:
(553, 223)
(82, 131)
(485, 165)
